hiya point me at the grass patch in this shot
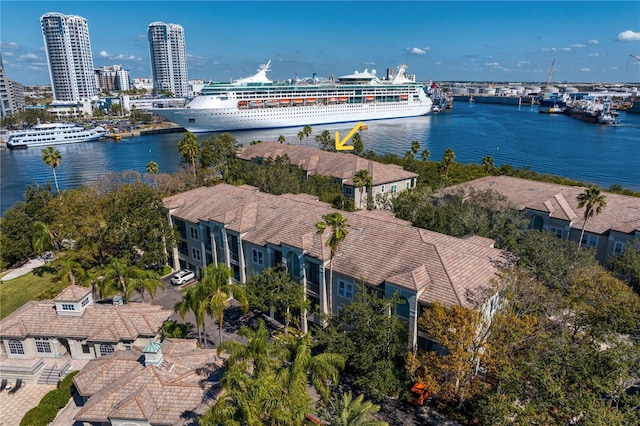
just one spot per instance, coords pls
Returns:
(18, 291)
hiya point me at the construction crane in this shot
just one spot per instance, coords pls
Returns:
(636, 57)
(550, 74)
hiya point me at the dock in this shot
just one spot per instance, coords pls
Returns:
(488, 99)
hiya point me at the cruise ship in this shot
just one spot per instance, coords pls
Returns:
(257, 102)
(46, 134)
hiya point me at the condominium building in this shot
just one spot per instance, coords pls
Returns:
(5, 98)
(68, 50)
(113, 78)
(168, 58)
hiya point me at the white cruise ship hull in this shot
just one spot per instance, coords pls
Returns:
(231, 118)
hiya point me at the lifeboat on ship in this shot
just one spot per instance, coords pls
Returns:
(342, 99)
(333, 100)
(285, 101)
(369, 98)
(310, 100)
(404, 97)
(298, 101)
(242, 104)
(255, 103)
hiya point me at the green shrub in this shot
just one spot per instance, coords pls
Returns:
(57, 398)
(67, 382)
(40, 415)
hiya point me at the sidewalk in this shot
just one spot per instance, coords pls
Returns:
(24, 269)
(14, 406)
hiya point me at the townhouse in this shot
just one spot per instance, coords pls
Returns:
(554, 208)
(388, 179)
(249, 231)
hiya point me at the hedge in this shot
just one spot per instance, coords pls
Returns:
(45, 412)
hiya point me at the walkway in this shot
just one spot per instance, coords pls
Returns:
(14, 406)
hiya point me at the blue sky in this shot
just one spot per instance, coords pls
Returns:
(473, 41)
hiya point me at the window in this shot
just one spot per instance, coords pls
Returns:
(15, 347)
(194, 232)
(43, 346)
(85, 302)
(85, 349)
(257, 256)
(589, 240)
(345, 289)
(556, 231)
(394, 188)
(106, 349)
(68, 307)
(382, 188)
(618, 247)
(195, 253)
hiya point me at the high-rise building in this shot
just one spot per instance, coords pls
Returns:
(113, 78)
(168, 58)
(68, 49)
(5, 96)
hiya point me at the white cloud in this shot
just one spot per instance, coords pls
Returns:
(585, 69)
(556, 49)
(595, 54)
(419, 51)
(629, 36)
(9, 46)
(119, 57)
(493, 64)
(577, 46)
(7, 54)
(104, 54)
(522, 63)
(28, 57)
(593, 42)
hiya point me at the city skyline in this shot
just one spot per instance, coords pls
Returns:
(441, 41)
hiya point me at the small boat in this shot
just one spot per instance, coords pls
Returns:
(553, 109)
(242, 104)
(310, 100)
(285, 101)
(404, 97)
(272, 102)
(369, 98)
(333, 100)
(255, 103)
(298, 100)
(342, 99)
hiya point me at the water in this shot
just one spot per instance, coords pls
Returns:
(520, 136)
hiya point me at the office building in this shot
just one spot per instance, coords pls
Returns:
(68, 50)
(113, 78)
(168, 58)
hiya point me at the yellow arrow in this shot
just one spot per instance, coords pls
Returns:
(340, 144)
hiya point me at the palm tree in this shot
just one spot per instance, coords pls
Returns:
(306, 130)
(42, 239)
(189, 148)
(447, 160)
(415, 148)
(152, 167)
(120, 276)
(193, 300)
(362, 179)
(52, 158)
(358, 145)
(339, 231)
(594, 203)
(301, 136)
(218, 290)
(488, 164)
(281, 139)
(352, 412)
(425, 154)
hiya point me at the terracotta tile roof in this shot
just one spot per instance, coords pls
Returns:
(316, 161)
(621, 214)
(99, 322)
(119, 386)
(72, 293)
(379, 248)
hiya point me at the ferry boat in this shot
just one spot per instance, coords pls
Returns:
(46, 134)
(242, 104)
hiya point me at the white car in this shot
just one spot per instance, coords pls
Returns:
(182, 277)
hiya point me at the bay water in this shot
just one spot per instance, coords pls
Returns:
(520, 136)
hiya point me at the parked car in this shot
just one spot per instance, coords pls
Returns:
(182, 277)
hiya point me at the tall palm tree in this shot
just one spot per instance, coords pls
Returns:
(307, 132)
(362, 179)
(301, 136)
(193, 299)
(358, 145)
(488, 164)
(152, 167)
(425, 154)
(52, 158)
(189, 149)
(281, 139)
(42, 239)
(120, 276)
(218, 290)
(593, 202)
(353, 412)
(415, 148)
(447, 160)
(338, 232)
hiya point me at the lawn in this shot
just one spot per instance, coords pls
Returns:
(18, 291)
